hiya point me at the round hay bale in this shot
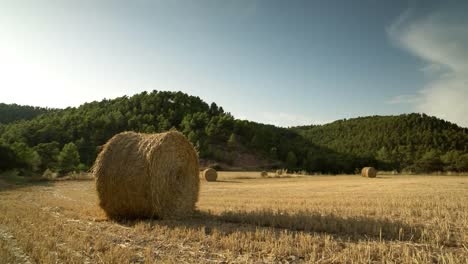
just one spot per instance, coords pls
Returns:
(210, 174)
(264, 174)
(147, 175)
(369, 172)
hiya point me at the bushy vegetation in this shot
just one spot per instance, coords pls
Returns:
(69, 139)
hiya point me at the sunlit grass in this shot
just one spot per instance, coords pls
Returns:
(247, 218)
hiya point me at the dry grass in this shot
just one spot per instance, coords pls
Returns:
(245, 218)
(79, 176)
(250, 175)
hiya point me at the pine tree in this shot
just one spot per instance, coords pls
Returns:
(69, 158)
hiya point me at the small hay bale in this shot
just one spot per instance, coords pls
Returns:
(210, 174)
(264, 174)
(369, 172)
(49, 175)
(147, 175)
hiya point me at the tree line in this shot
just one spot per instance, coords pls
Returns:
(13, 112)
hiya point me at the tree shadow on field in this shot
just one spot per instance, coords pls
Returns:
(352, 228)
(7, 184)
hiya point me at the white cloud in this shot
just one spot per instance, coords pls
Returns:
(441, 40)
(447, 99)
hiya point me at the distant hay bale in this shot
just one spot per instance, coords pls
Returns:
(369, 172)
(147, 175)
(264, 174)
(210, 174)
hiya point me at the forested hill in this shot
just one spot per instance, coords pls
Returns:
(69, 139)
(13, 112)
(411, 141)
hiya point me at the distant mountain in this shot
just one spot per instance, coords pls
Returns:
(70, 138)
(13, 112)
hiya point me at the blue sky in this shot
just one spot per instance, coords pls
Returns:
(280, 62)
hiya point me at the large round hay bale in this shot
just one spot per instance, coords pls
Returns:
(369, 172)
(264, 174)
(147, 175)
(210, 174)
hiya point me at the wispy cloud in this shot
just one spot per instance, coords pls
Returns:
(440, 39)
(405, 99)
(435, 69)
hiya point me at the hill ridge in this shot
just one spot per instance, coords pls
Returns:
(408, 141)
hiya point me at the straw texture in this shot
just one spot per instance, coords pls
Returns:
(210, 174)
(147, 175)
(369, 172)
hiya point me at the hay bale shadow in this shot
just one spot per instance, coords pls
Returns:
(354, 228)
(346, 229)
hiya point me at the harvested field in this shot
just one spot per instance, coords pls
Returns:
(245, 218)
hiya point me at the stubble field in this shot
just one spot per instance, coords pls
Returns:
(243, 218)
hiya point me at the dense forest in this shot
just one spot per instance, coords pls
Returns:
(13, 112)
(414, 142)
(69, 139)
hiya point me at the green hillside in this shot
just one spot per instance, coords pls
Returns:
(13, 112)
(69, 139)
(411, 141)
(40, 143)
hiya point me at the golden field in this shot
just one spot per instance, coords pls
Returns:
(243, 218)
